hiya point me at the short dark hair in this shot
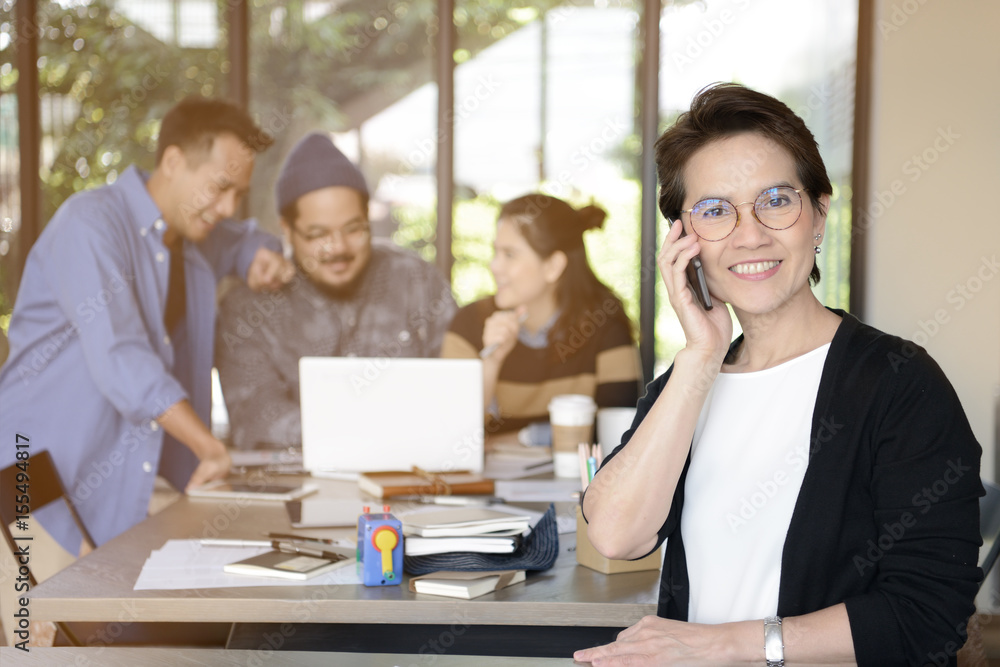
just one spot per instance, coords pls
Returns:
(725, 109)
(549, 224)
(194, 122)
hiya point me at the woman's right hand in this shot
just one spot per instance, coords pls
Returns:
(706, 331)
(500, 333)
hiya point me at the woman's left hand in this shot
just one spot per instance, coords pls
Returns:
(659, 641)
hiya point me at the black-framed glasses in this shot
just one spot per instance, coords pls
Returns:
(777, 208)
(350, 234)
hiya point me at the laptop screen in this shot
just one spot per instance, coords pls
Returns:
(363, 414)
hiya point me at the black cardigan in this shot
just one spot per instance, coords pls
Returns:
(887, 519)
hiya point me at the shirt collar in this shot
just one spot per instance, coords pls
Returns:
(143, 211)
(540, 338)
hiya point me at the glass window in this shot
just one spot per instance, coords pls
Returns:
(539, 110)
(365, 74)
(803, 54)
(108, 72)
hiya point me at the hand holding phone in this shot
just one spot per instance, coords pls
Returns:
(696, 277)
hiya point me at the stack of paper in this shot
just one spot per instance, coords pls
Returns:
(182, 564)
(465, 529)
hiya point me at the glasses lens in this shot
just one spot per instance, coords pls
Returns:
(713, 219)
(778, 208)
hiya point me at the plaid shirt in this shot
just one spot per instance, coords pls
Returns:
(401, 308)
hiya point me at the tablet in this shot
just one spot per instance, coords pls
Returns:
(319, 512)
(251, 490)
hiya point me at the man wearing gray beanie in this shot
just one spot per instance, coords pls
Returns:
(351, 296)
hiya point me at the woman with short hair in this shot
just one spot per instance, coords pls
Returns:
(816, 480)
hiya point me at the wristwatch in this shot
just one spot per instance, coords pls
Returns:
(774, 646)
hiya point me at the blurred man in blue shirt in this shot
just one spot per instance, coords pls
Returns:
(111, 338)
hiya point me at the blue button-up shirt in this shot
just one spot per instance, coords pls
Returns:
(91, 364)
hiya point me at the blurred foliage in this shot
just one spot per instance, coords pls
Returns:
(106, 82)
(104, 85)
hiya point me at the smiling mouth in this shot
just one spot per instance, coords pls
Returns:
(752, 268)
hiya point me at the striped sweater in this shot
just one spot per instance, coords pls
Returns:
(599, 360)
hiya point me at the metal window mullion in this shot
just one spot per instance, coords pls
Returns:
(445, 168)
(649, 121)
(29, 132)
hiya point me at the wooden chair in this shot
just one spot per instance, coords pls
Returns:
(44, 487)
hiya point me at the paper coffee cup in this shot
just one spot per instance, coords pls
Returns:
(611, 425)
(572, 420)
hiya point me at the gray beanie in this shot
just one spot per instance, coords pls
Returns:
(312, 164)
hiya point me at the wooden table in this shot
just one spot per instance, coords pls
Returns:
(568, 601)
(163, 657)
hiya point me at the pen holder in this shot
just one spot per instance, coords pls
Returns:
(380, 549)
(588, 556)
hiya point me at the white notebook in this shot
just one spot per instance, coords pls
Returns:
(465, 585)
(463, 521)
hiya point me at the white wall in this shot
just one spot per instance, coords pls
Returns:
(932, 273)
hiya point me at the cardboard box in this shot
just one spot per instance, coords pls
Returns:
(587, 555)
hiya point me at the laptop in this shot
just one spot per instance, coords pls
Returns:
(362, 414)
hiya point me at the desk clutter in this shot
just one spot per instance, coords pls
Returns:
(192, 564)
(537, 550)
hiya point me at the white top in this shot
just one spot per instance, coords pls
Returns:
(748, 458)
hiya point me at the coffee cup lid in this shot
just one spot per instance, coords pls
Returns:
(572, 401)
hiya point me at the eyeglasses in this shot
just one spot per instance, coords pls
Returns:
(776, 208)
(351, 234)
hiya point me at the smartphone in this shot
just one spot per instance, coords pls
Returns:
(696, 278)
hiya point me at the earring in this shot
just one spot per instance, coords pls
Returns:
(818, 237)
(817, 249)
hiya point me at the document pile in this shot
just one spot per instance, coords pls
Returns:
(465, 529)
(468, 531)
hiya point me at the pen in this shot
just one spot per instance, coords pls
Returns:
(591, 469)
(234, 543)
(454, 500)
(300, 538)
(582, 456)
(289, 548)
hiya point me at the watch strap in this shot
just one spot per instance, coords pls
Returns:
(774, 646)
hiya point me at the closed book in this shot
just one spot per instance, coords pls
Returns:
(465, 585)
(463, 521)
(482, 544)
(286, 565)
(392, 484)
